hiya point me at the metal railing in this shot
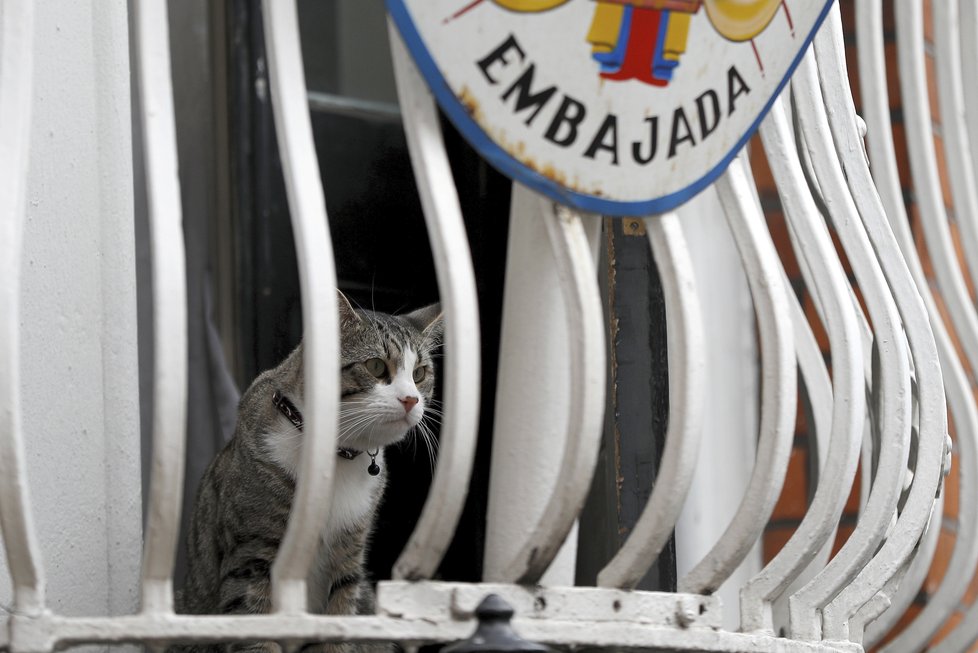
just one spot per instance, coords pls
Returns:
(895, 373)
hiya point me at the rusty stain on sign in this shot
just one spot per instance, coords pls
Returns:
(470, 103)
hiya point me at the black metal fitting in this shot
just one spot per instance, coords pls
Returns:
(494, 634)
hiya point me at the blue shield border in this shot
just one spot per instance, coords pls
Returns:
(505, 163)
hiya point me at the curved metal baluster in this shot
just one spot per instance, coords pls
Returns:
(932, 417)
(575, 267)
(778, 386)
(781, 603)
(321, 336)
(828, 286)
(818, 389)
(875, 606)
(869, 26)
(818, 385)
(811, 362)
(16, 82)
(960, 165)
(809, 355)
(969, 63)
(687, 367)
(877, 622)
(870, 441)
(456, 284)
(892, 382)
(923, 165)
(924, 170)
(865, 332)
(961, 170)
(169, 305)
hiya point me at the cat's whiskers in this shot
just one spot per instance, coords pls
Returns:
(432, 411)
(356, 416)
(355, 424)
(431, 443)
(356, 429)
(423, 430)
(348, 435)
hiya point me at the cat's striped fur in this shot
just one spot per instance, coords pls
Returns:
(243, 502)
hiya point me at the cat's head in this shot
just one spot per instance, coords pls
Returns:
(388, 373)
(388, 378)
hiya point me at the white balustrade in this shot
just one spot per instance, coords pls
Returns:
(532, 553)
(778, 388)
(875, 98)
(169, 306)
(930, 406)
(968, 40)
(826, 280)
(891, 382)
(16, 84)
(891, 368)
(456, 283)
(317, 280)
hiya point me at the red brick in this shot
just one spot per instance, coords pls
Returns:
(972, 593)
(821, 336)
(930, 67)
(778, 228)
(942, 556)
(904, 621)
(852, 503)
(774, 540)
(950, 624)
(841, 537)
(793, 502)
(942, 171)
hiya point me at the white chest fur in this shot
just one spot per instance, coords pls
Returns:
(354, 495)
(354, 492)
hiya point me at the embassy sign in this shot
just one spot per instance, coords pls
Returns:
(620, 107)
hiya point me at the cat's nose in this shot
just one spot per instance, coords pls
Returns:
(408, 403)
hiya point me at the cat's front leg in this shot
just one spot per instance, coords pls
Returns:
(345, 596)
(246, 588)
(352, 595)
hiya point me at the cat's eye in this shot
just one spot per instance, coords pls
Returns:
(376, 366)
(419, 373)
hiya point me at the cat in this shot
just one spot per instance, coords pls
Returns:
(245, 496)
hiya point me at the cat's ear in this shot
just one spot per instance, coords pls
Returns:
(346, 312)
(428, 321)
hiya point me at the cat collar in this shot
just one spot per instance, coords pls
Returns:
(287, 408)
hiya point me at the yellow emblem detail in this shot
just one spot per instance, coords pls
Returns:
(529, 5)
(603, 34)
(645, 39)
(741, 20)
(677, 34)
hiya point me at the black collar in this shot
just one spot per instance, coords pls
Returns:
(287, 408)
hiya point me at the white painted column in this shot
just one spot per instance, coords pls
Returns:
(531, 396)
(78, 309)
(730, 421)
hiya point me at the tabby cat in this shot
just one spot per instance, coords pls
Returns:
(243, 502)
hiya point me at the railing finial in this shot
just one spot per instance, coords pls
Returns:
(495, 634)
